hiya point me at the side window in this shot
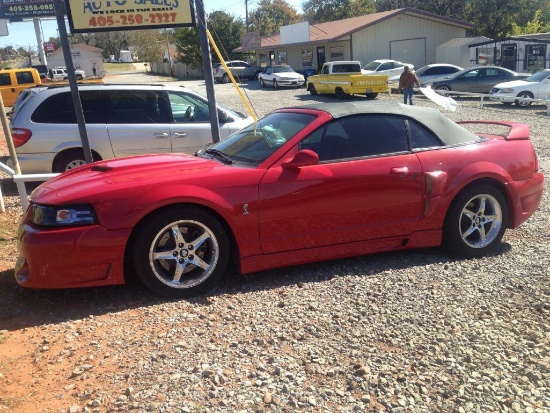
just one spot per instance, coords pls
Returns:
(268, 71)
(188, 108)
(385, 66)
(55, 109)
(135, 106)
(24, 78)
(372, 135)
(329, 142)
(5, 79)
(93, 106)
(421, 137)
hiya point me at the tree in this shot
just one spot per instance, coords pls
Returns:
(270, 15)
(224, 28)
(321, 11)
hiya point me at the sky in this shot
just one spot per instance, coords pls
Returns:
(22, 34)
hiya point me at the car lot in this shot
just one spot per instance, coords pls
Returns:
(414, 331)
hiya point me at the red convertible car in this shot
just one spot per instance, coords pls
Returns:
(304, 184)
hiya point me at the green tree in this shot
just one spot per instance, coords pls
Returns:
(321, 11)
(224, 28)
(270, 15)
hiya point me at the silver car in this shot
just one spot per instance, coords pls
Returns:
(121, 120)
(239, 69)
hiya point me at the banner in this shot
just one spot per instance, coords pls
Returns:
(109, 15)
(16, 9)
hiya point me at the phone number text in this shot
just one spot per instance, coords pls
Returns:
(131, 19)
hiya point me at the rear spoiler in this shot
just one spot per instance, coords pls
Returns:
(517, 131)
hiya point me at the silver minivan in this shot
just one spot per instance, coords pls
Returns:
(121, 120)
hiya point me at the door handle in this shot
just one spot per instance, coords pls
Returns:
(160, 135)
(399, 170)
(180, 134)
(13, 89)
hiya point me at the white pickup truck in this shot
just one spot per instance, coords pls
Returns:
(60, 73)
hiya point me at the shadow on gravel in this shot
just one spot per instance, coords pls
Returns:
(23, 308)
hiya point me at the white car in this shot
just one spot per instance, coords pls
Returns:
(536, 86)
(280, 75)
(428, 72)
(239, 69)
(385, 67)
(60, 73)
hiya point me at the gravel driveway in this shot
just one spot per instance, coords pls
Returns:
(415, 331)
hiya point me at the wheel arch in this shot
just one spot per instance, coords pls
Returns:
(130, 273)
(493, 182)
(95, 155)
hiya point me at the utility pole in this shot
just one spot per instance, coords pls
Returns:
(246, 14)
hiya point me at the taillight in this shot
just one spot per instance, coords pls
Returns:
(20, 136)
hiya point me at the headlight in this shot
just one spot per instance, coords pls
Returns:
(506, 90)
(63, 215)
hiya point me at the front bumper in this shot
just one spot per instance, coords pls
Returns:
(502, 98)
(70, 257)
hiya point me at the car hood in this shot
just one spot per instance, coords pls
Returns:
(514, 83)
(125, 177)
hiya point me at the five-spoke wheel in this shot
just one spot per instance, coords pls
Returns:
(181, 251)
(476, 221)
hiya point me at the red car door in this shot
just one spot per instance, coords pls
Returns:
(341, 200)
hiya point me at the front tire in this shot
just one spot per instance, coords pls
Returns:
(444, 90)
(476, 221)
(181, 252)
(524, 103)
(312, 90)
(225, 78)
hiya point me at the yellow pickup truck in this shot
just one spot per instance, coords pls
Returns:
(344, 78)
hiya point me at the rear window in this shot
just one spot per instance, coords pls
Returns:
(59, 108)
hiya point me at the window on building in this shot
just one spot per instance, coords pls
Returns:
(336, 53)
(282, 58)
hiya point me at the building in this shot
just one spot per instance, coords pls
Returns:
(407, 34)
(84, 57)
(525, 53)
(457, 51)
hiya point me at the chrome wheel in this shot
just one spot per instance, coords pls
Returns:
(444, 90)
(480, 221)
(476, 221)
(75, 164)
(180, 251)
(524, 103)
(183, 254)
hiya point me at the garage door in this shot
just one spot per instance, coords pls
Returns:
(409, 51)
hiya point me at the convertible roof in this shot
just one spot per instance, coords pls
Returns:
(447, 130)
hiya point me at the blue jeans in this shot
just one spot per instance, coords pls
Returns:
(408, 95)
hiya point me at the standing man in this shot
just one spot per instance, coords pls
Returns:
(94, 69)
(407, 81)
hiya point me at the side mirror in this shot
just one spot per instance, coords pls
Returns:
(224, 117)
(305, 157)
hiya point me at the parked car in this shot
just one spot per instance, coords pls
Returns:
(385, 67)
(239, 69)
(15, 81)
(280, 75)
(60, 73)
(428, 72)
(120, 120)
(479, 79)
(304, 184)
(536, 86)
(42, 70)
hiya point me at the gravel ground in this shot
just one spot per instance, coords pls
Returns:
(415, 331)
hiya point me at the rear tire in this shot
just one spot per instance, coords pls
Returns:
(180, 252)
(262, 83)
(275, 84)
(69, 160)
(340, 94)
(225, 78)
(371, 95)
(475, 222)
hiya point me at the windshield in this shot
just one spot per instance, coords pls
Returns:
(255, 143)
(371, 66)
(539, 76)
(280, 69)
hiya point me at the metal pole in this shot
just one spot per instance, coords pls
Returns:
(40, 41)
(207, 69)
(60, 16)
